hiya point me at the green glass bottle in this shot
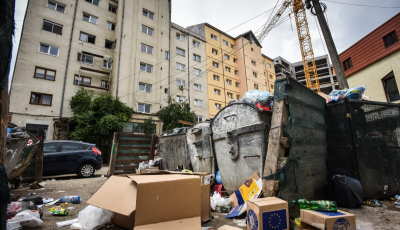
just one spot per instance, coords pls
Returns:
(317, 205)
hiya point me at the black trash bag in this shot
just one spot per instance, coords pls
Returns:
(346, 191)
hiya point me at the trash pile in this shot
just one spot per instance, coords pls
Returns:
(352, 93)
(263, 100)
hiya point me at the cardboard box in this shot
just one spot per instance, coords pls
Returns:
(327, 220)
(267, 213)
(147, 202)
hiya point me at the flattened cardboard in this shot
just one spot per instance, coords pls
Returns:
(267, 213)
(328, 221)
(139, 200)
(249, 190)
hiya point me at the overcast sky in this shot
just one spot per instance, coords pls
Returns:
(348, 23)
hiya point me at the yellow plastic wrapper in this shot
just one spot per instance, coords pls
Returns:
(297, 221)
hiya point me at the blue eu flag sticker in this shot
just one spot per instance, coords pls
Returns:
(274, 220)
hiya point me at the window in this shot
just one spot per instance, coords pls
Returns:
(214, 37)
(255, 86)
(252, 49)
(147, 30)
(82, 80)
(107, 64)
(105, 84)
(180, 66)
(229, 95)
(85, 58)
(216, 78)
(254, 74)
(94, 2)
(109, 44)
(165, 90)
(144, 87)
(146, 49)
(166, 55)
(89, 18)
(144, 108)
(146, 67)
(347, 64)
(214, 51)
(228, 82)
(237, 84)
(48, 49)
(69, 147)
(237, 96)
(390, 39)
(390, 86)
(196, 57)
(272, 86)
(217, 92)
(180, 37)
(270, 76)
(269, 65)
(180, 99)
(43, 73)
(215, 64)
(87, 37)
(56, 6)
(111, 26)
(217, 106)
(135, 127)
(52, 27)
(236, 72)
(112, 8)
(225, 43)
(253, 63)
(234, 60)
(226, 56)
(197, 87)
(196, 72)
(41, 99)
(50, 147)
(232, 46)
(196, 44)
(199, 118)
(198, 102)
(180, 51)
(148, 14)
(180, 82)
(227, 69)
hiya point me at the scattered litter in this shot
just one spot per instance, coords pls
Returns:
(227, 227)
(71, 199)
(67, 222)
(60, 191)
(218, 178)
(53, 179)
(215, 217)
(71, 208)
(207, 228)
(92, 216)
(297, 221)
(59, 210)
(102, 175)
(373, 203)
(76, 226)
(240, 222)
(316, 205)
(36, 185)
(218, 202)
(27, 218)
(35, 199)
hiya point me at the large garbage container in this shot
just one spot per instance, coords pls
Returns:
(173, 149)
(240, 134)
(200, 147)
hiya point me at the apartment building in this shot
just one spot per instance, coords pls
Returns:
(326, 76)
(373, 61)
(188, 69)
(234, 65)
(108, 46)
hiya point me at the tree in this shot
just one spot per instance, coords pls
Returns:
(174, 112)
(95, 119)
(149, 127)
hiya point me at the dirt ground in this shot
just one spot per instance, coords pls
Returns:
(367, 218)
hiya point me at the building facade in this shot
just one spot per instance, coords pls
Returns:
(373, 61)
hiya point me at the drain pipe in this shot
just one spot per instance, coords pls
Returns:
(69, 54)
(169, 52)
(120, 47)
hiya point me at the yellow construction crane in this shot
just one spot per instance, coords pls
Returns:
(307, 53)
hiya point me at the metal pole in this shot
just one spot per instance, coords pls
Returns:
(337, 65)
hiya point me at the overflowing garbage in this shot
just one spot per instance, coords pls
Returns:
(263, 100)
(352, 93)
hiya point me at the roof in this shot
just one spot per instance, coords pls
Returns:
(249, 34)
(267, 57)
(184, 30)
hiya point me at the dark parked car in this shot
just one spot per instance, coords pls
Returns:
(69, 157)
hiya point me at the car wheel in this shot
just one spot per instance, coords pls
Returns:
(86, 170)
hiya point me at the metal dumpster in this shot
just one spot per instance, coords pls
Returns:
(240, 134)
(173, 149)
(200, 147)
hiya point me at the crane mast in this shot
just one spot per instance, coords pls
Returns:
(307, 53)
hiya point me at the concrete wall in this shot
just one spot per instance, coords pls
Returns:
(372, 75)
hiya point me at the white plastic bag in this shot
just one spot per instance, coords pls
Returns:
(28, 218)
(217, 201)
(92, 216)
(76, 226)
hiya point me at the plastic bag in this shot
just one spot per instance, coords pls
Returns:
(218, 201)
(28, 219)
(15, 207)
(76, 226)
(352, 93)
(263, 98)
(92, 216)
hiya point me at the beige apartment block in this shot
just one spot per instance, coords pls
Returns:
(108, 46)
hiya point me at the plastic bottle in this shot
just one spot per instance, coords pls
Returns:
(317, 205)
(71, 199)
